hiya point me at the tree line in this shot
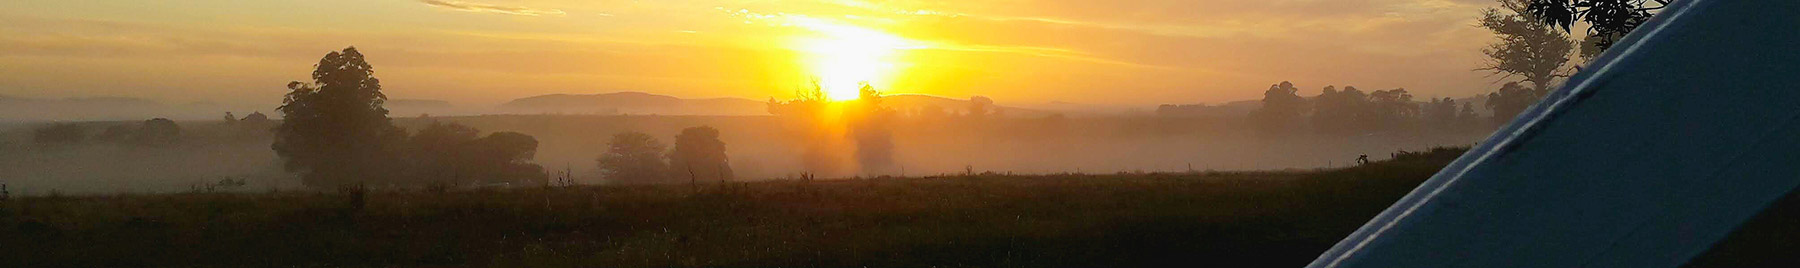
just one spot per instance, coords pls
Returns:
(637, 158)
(335, 132)
(1352, 111)
(1532, 51)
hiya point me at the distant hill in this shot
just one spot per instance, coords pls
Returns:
(631, 102)
(418, 103)
(81, 109)
(414, 107)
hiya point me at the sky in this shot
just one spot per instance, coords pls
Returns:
(485, 52)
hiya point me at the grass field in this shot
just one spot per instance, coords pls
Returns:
(1220, 219)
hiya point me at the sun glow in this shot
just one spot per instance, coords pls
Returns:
(843, 57)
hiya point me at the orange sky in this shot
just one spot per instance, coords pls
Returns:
(483, 52)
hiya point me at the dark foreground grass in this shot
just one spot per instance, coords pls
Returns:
(1266, 219)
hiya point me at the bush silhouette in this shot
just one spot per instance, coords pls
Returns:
(700, 155)
(634, 157)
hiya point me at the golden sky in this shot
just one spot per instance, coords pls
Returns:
(483, 52)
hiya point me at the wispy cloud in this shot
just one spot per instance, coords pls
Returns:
(491, 8)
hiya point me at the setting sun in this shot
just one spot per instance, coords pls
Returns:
(842, 57)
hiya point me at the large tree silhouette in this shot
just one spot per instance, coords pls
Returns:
(1527, 47)
(157, 131)
(1340, 112)
(334, 131)
(1392, 109)
(1281, 109)
(871, 126)
(806, 117)
(700, 155)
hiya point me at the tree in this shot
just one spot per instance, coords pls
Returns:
(157, 131)
(1440, 113)
(504, 157)
(255, 118)
(699, 154)
(1608, 20)
(453, 154)
(1391, 109)
(434, 154)
(1340, 112)
(1466, 117)
(255, 124)
(807, 118)
(634, 157)
(979, 106)
(807, 103)
(1527, 47)
(334, 130)
(871, 127)
(1510, 100)
(1281, 109)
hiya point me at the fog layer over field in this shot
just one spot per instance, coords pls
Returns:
(758, 146)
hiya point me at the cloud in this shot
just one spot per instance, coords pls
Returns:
(491, 8)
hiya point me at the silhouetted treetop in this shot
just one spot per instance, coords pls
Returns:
(158, 131)
(979, 106)
(1510, 100)
(1281, 111)
(1608, 20)
(1526, 47)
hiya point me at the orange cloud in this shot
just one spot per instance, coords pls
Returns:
(490, 8)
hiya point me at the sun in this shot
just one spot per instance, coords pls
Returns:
(843, 57)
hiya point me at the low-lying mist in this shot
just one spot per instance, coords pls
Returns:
(759, 148)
